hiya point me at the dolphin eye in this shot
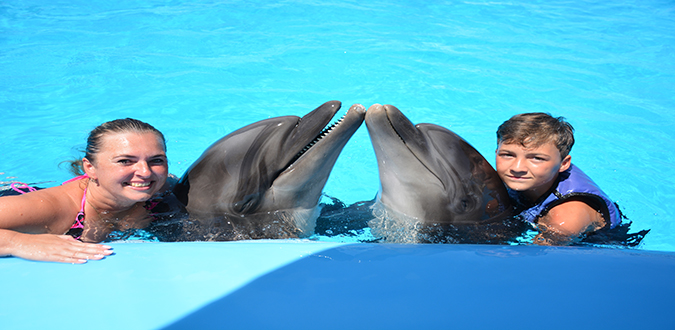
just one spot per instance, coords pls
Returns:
(245, 206)
(460, 206)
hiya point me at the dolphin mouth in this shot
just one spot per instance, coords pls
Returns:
(405, 124)
(388, 114)
(343, 129)
(325, 132)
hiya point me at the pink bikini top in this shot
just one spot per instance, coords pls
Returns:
(78, 225)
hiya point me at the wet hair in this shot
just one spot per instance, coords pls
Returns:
(532, 130)
(111, 127)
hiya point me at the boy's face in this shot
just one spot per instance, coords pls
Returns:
(531, 171)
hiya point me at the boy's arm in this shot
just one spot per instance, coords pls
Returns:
(567, 221)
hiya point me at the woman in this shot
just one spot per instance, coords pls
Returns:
(124, 167)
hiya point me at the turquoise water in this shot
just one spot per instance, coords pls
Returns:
(198, 70)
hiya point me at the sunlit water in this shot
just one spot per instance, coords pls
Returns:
(198, 70)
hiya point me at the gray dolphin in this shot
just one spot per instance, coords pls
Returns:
(265, 180)
(430, 180)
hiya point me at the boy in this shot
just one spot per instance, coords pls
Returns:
(533, 160)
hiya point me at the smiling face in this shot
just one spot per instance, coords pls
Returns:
(130, 167)
(531, 171)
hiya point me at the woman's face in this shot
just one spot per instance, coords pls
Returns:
(130, 166)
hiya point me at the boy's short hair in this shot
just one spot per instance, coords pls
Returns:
(534, 129)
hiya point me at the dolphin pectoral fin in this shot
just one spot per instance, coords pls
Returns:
(182, 189)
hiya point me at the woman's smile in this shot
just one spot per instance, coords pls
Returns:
(131, 167)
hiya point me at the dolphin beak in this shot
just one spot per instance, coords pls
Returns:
(316, 120)
(389, 119)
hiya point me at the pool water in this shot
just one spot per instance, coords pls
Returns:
(198, 70)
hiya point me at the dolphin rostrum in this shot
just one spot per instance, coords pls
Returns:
(265, 180)
(432, 182)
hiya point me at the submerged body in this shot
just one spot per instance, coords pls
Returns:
(434, 185)
(265, 179)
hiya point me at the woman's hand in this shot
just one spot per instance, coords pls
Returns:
(56, 248)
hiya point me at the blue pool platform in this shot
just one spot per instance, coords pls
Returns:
(301, 284)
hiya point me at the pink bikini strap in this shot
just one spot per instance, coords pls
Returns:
(83, 176)
(80, 215)
(17, 186)
(79, 219)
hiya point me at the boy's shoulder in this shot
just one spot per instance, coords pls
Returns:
(572, 185)
(576, 193)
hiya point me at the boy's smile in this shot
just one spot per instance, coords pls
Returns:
(531, 171)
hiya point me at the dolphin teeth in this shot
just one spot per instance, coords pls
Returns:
(318, 138)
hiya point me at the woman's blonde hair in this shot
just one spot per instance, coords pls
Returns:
(113, 126)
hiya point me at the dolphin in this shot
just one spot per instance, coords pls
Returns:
(431, 181)
(265, 180)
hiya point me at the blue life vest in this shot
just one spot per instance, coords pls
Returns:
(572, 183)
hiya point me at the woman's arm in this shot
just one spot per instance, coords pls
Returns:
(49, 247)
(31, 226)
(38, 212)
